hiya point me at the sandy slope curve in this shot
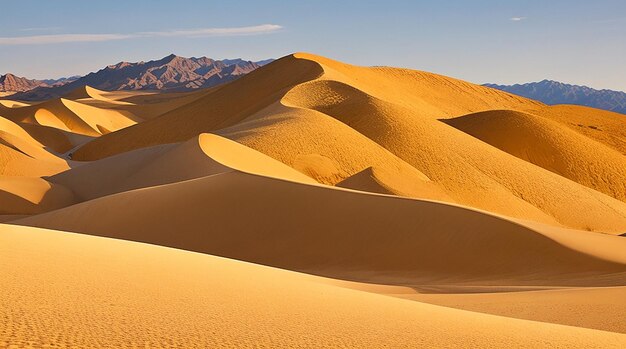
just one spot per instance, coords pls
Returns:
(603, 126)
(201, 156)
(68, 115)
(27, 195)
(491, 179)
(548, 144)
(323, 148)
(23, 155)
(104, 292)
(341, 233)
(393, 181)
(599, 308)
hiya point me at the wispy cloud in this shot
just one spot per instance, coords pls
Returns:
(39, 29)
(517, 19)
(192, 33)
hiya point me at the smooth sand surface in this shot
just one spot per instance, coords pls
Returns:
(126, 294)
(396, 187)
(601, 308)
(547, 144)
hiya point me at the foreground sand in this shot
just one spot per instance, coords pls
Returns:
(63, 289)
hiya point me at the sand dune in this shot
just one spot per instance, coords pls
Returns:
(386, 183)
(72, 116)
(201, 156)
(22, 155)
(25, 195)
(394, 182)
(545, 143)
(141, 105)
(343, 233)
(388, 119)
(601, 125)
(7, 104)
(162, 298)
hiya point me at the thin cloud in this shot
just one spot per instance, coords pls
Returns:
(39, 29)
(517, 19)
(193, 33)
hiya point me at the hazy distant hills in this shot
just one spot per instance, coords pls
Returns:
(169, 73)
(554, 92)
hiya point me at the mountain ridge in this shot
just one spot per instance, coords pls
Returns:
(554, 92)
(172, 72)
(12, 83)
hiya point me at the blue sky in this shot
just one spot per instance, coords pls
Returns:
(582, 42)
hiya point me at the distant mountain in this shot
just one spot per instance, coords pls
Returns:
(13, 83)
(173, 73)
(554, 92)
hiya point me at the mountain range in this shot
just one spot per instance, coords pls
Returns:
(174, 73)
(13, 83)
(554, 92)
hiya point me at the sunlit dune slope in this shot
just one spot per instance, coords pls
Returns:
(7, 103)
(72, 116)
(201, 156)
(325, 149)
(547, 144)
(603, 126)
(22, 155)
(491, 180)
(161, 297)
(393, 181)
(27, 195)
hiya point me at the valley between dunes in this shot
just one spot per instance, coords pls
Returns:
(312, 203)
